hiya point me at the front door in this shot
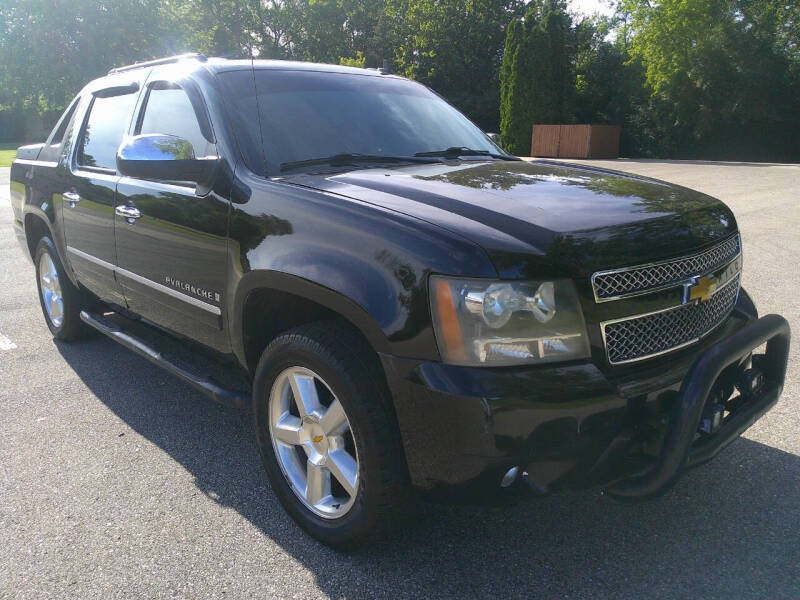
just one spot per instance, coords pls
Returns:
(88, 197)
(172, 242)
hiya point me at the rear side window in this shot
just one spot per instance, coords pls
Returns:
(105, 127)
(52, 150)
(170, 112)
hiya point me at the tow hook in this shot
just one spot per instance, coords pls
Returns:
(751, 380)
(713, 414)
(711, 420)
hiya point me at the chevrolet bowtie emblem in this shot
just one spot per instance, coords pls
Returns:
(701, 288)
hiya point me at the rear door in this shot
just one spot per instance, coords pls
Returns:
(89, 197)
(172, 257)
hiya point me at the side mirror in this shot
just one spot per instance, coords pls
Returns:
(495, 137)
(164, 158)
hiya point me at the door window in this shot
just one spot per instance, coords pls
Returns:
(170, 112)
(107, 123)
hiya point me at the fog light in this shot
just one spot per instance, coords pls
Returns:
(509, 477)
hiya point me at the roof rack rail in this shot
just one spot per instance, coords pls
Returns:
(160, 61)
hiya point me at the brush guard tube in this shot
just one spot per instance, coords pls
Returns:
(680, 450)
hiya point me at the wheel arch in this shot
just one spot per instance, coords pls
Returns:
(38, 223)
(36, 228)
(261, 296)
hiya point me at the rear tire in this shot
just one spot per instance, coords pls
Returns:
(60, 300)
(344, 370)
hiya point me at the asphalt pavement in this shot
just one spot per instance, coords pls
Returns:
(116, 480)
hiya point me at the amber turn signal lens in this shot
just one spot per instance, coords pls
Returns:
(452, 339)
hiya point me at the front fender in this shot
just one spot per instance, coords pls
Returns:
(309, 290)
(366, 263)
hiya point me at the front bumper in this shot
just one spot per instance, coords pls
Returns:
(571, 425)
(682, 447)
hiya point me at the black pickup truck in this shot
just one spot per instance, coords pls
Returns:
(417, 310)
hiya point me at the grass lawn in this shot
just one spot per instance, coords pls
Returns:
(7, 154)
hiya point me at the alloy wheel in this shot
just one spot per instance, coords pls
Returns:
(313, 442)
(51, 290)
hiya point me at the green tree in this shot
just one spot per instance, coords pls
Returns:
(335, 30)
(721, 76)
(454, 46)
(537, 74)
(609, 85)
(51, 48)
(685, 78)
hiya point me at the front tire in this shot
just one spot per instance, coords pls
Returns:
(327, 434)
(60, 300)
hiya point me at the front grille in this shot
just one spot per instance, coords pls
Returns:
(620, 283)
(644, 336)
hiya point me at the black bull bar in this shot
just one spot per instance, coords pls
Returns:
(680, 449)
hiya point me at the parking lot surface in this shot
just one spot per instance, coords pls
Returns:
(116, 480)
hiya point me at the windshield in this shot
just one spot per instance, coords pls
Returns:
(306, 115)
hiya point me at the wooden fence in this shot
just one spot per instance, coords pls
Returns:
(575, 141)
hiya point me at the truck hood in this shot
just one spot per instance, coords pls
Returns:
(539, 218)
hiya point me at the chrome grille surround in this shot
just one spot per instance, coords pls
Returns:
(616, 284)
(645, 336)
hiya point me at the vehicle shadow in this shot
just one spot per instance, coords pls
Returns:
(728, 530)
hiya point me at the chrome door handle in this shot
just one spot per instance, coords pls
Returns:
(131, 213)
(72, 198)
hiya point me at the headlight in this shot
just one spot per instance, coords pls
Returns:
(479, 322)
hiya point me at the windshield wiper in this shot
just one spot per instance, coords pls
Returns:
(352, 158)
(456, 151)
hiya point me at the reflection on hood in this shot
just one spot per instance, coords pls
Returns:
(561, 213)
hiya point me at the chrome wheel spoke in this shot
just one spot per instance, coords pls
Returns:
(334, 421)
(287, 430)
(318, 483)
(305, 395)
(55, 307)
(345, 469)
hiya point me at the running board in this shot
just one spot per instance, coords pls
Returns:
(201, 383)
